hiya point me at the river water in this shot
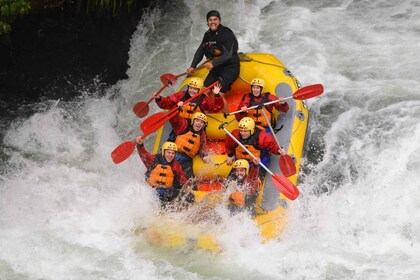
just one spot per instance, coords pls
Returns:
(67, 212)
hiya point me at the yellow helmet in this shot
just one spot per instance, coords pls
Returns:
(195, 82)
(247, 123)
(169, 146)
(242, 163)
(258, 82)
(200, 116)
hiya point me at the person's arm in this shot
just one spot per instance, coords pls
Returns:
(179, 124)
(170, 101)
(146, 157)
(245, 102)
(231, 145)
(280, 106)
(252, 178)
(254, 172)
(212, 105)
(267, 141)
(203, 152)
(199, 53)
(179, 172)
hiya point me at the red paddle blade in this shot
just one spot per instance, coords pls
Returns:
(308, 92)
(123, 151)
(287, 165)
(168, 79)
(285, 186)
(141, 109)
(154, 122)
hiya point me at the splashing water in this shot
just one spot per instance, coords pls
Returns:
(67, 212)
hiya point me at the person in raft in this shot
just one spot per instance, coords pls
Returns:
(164, 173)
(191, 139)
(220, 45)
(256, 140)
(246, 186)
(257, 97)
(202, 103)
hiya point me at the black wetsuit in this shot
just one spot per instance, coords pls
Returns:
(222, 45)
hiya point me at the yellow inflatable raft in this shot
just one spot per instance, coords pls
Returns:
(270, 209)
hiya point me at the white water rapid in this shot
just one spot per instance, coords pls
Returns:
(68, 212)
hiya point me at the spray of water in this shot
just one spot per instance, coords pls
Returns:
(67, 212)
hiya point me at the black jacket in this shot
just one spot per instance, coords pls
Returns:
(222, 44)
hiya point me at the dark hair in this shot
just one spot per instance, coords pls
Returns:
(213, 13)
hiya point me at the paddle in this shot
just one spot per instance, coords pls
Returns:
(287, 165)
(282, 183)
(301, 94)
(124, 150)
(155, 121)
(141, 108)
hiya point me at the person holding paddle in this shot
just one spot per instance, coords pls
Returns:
(256, 140)
(257, 97)
(220, 44)
(203, 103)
(191, 139)
(164, 173)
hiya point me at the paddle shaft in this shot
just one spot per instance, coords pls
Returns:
(301, 94)
(246, 150)
(271, 128)
(285, 165)
(256, 106)
(156, 94)
(199, 67)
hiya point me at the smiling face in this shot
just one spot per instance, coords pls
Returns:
(193, 91)
(256, 90)
(169, 155)
(240, 173)
(245, 134)
(198, 124)
(213, 23)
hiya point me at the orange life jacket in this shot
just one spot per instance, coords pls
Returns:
(251, 144)
(160, 175)
(256, 114)
(238, 197)
(191, 107)
(189, 143)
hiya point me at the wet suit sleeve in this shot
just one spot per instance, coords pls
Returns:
(280, 107)
(199, 53)
(267, 141)
(203, 145)
(212, 105)
(146, 157)
(252, 178)
(179, 173)
(171, 101)
(179, 124)
(244, 102)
